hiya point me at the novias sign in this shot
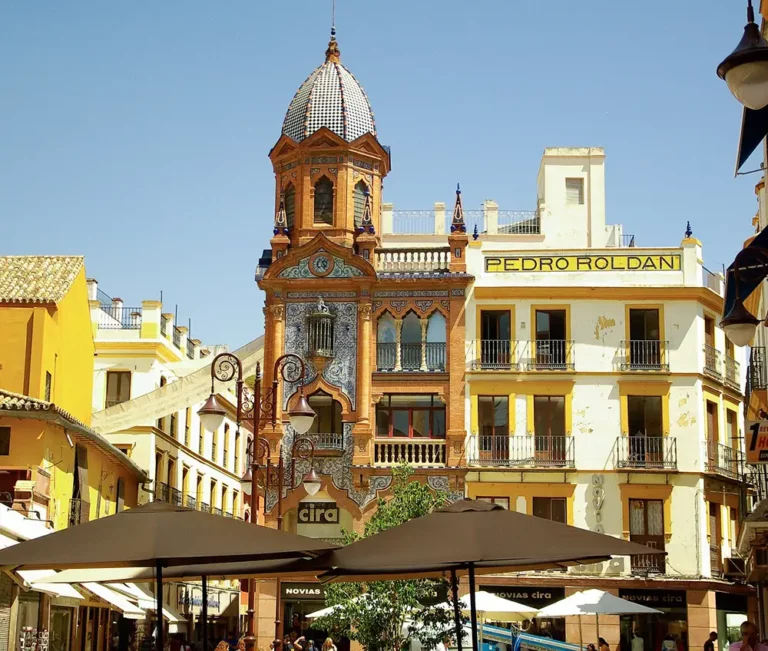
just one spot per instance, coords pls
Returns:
(547, 263)
(318, 513)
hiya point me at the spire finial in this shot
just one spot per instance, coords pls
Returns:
(688, 230)
(332, 54)
(457, 223)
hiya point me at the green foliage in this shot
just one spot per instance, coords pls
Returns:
(250, 381)
(387, 615)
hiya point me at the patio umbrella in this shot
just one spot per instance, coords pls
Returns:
(593, 602)
(498, 609)
(473, 536)
(158, 535)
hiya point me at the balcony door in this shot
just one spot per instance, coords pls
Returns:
(644, 339)
(410, 348)
(551, 346)
(118, 388)
(715, 539)
(495, 344)
(549, 429)
(493, 424)
(646, 527)
(550, 508)
(645, 437)
(326, 430)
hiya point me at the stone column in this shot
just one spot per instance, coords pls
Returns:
(424, 323)
(398, 343)
(364, 348)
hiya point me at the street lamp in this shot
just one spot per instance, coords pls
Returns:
(740, 325)
(745, 70)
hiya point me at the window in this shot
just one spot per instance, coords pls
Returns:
(733, 428)
(360, 190)
(644, 416)
(48, 383)
(410, 348)
(187, 426)
(171, 472)
(644, 339)
(386, 342)
(5, 441)
(493, 415)
(118, 387)
(495, 344)
(550, 508)
(173, 430)
(709, 331)
(712, 426)
(324, 201)
(646, 527)
(328, 410)
(125, 449)
(161, 421)
(225, 456)
(214, 445)
(549, 428)
(574, 192)
(214, 495)
(551, 350)
(290, 205)
(501, 501)
(410, 417)
(434, 353)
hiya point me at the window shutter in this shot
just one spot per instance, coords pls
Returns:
(574, 192)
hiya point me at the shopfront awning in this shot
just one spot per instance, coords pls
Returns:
(146, 600)
(129, 610)
(36, 581)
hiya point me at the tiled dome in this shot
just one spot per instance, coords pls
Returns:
(330, 97)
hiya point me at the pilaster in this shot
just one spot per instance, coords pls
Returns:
(456, 425)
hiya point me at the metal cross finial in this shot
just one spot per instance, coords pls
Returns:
(688, 230)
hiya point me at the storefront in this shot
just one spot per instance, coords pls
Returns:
(535, 597)
(670, 624)
(299, 600)
(732, 610)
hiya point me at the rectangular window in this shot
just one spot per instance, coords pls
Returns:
(48, 384)
(709, 331)
(5, 441)
(550, 324)
(549, 428)
(644, 325)
(713, 433)
(118, 387)
(493, 415)
(417, 416)
(501, 501)
(173, 431)
(237, 452)
(733, 428)
(495, 344)
(187, 426)
(328, 414)
(646, 527)
(574, 191)
(550, 508)
(551, 348)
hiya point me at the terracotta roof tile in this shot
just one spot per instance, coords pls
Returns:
(37, 278)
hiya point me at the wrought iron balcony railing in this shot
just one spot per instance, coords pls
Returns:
(712, 361)
(551, 355)
(732, 373)
(645, 355)
(494, 355)
(529, 451)
(331, 441)
(646, 452)
(724, 460)
(648, 563)
(119, 317)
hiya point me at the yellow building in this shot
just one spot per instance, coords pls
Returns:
(53, 464)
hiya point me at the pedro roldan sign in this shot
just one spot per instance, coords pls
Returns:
(590, 262)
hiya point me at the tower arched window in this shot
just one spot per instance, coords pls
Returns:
(290, 205)
(411, 342)
(435, 342)
(386, 343)
(324, 201)
(360, 190)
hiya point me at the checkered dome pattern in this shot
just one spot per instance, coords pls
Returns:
(330, 97)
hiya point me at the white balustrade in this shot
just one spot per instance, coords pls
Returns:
(399, 260)
(419, 453)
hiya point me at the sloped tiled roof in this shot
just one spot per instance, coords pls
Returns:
(18, 403)
(37, 278)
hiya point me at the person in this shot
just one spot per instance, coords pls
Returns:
(296, 624)
(749, 639)
(591, 647)
(443, 645)
(287, 644)
(709, 645)
(602, 645)
(669, 643)
(638, 643)
(328, 645)
(222, 646)
(299, 643)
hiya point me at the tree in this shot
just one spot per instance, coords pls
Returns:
(387, 615)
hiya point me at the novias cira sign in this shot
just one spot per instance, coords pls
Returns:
(590, 262)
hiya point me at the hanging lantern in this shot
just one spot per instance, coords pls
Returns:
(320, 330)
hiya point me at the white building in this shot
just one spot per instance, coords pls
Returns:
(150, 381)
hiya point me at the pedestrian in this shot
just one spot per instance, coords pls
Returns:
(328, 645)
(602, 645)
(709, 645)
(638, 643)
(287, 644)
(749, 639)
(591, 647)
(668, 643)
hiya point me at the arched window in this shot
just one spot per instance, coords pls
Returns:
(435, 344)
(290, 205)
(436, 328)
(410, 350)
(360, 190)
(328, 419)
(386, 343)
(324, 201)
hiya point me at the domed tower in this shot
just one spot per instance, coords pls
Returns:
(328, 163)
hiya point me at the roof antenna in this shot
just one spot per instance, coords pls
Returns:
(332, 53)
(333, 18)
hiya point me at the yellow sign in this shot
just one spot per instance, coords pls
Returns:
(757, 441)
(590, 262)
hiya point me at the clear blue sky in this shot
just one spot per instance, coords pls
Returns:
(137, 133)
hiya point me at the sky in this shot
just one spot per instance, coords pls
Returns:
(137, 133)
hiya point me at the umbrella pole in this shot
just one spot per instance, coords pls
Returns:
(456, 608)
(473, 606)
(204, 613)
(159, 606)
(581, 638)
(597, 626)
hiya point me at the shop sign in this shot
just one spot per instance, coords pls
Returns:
(757, 441)
(546, 263)
(318, 513)
(302, 592)
(535, 597)
(655, 598)
(195, 600)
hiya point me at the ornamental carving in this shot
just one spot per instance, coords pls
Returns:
(314, 170)
(398, 306)
(278, 312)
(423, 305)
(321, 264)
(376, 305)
(333, 170)
(445, 304)
(442, 484)
(365, 311)
(415, 293)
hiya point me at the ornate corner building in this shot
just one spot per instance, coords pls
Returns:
(381, 328)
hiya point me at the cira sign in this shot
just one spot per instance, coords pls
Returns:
(318, 513)
(757, 441)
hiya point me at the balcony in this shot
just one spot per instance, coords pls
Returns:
(643, 452)
(419, 453)
(327, 442)
(648, 563)
(551, 355)
(79, 512)
(644, 355)
(494, 355)
(416, 358)
(715, 560)
(528, 451)
(732, 373)
(724, 460)
(712, 362)
(163, 325)
(421, 260)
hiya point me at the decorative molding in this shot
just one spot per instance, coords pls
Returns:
(457, 292)
(446, 304)
(361, 163)
(278, 312)
(442, 484)
(314, 170)
(321, 264)
(290, 166)
(322, 294)
(333, 170)
(399, 306)
(377, 305)
(414, 293)
(365, 310)
(325, 160)
(423, 305)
